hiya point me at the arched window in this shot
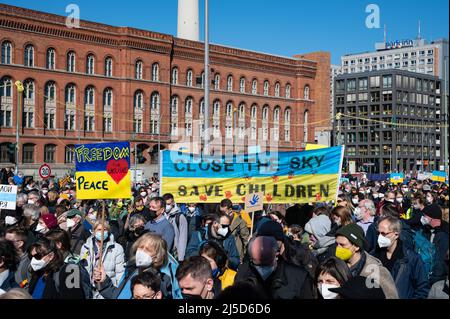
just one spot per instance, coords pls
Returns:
(108, 98)
(254, 86)
(51, 59)
(288, 91)
(49, 153)
(6, 106)
(202, 79)
(139, 70)
(201, 109)
(287, 124)
(230, 83)
(216, 108)
(89, 96)
(266, 88)
(28, 153)
(217, 81)
(242, 85)
(189, 76)
(174, 76)
(28, 59)
(6, 52)
(305, 126)
(306, 92)
(241, 111)
(71, 61)
(139, 99)
(277, 89)
(265, 113)
(69, 154)
(6, 87)
(188, 106)
(155, 72)
(254, 112)
(174, 105)
(276, 123)
(90, 64)
(29, 90)
(108, 67)
(265, 122)
(154, 101)
(229, 109)
(174, 116)
(50, 92)
(70, 94)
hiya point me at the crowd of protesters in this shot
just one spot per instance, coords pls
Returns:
(377, 241)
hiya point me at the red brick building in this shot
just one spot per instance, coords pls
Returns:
(105, 83)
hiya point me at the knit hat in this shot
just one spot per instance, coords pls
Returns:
(271, 228)
(74, 212)
(354, 233)
(319, 226)
(433, 211)
(49, 220)
(357, 288)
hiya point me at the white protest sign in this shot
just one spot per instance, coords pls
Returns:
(8, 195)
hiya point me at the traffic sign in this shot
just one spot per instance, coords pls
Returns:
(45, 171)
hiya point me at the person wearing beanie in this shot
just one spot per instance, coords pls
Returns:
(78, 233)
(322, 246)
(436, 231)
(350, 244)
(46, 223)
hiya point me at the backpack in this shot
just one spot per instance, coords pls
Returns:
(84, 276)
(426, 251)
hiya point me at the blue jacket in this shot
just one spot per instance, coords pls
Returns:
(228, 244)
(440, 241)
(406, 236)
(409, 276)
(10, 282)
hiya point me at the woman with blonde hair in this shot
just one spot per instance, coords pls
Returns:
(113, 258)
(148, 253)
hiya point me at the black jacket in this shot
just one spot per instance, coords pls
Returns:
(63, 292)
(286, 282)
(439, 271)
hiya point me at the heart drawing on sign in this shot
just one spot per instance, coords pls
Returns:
(117, 169)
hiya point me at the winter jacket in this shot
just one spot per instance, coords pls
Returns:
(23, 272)
(194, 219)
(440, 240)
(372, 236)
(373, 268)
(409, 275)
(181, 231)
(240, 232)
(78, 238)
(9, 282)
(50, 290)
(169, 284)
(439, 290)
(228, 244)
(286, 282)
(324, 246)
(113, 260)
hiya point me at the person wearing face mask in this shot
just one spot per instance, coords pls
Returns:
(49, 274)
(195, 278)
(238, 226)
(222, 275)
(18, 237)
(158, 222)
(415, 211)
(356, 198)
(404, 264)
(340, 216)
(430, 198)
(149, 253)
(11, 218)
(33, 198)
(193, 216)
(46, 223)
(402, 203)
(218, 231)
(139, 208)
(180, 227)
(272, 274)
(78, 233)
(322, 245)
(9, 259)
(332, 273)
(136, 230)
(153, 191)
(113, 258)
(350, 248)
(435, 231)
(365, 214)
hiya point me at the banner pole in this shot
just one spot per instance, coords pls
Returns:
(253, 221)
(101, 239)
(340, 173)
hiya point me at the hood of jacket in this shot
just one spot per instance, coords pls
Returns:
(319, 226)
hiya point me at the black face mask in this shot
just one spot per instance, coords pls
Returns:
(152, 214)
(191, 297)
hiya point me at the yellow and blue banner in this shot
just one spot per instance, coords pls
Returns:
(439, 176)
(103, 170)
(396, 178)
(283, 177)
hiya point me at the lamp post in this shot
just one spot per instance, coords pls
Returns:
(206, 132)
(20, 89)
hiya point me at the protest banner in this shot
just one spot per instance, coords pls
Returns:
(310, 146)
(103, 170)
(423, 176)
(8, 196)
(284, 177)
(396, 178)
(439, 176)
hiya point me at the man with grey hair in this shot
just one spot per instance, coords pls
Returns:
(31, 214)
(22, 199)
(135, 230)
(271, 274)
(365, 214)
(404, 264)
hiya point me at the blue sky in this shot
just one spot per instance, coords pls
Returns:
(282, 27)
